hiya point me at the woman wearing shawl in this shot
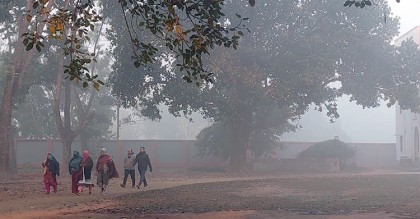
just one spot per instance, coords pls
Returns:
(51, 171)
(74, 169)
(85, 178)
(105, 168)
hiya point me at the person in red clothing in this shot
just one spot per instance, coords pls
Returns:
(105, 168)
(51, 171)
(74, 170)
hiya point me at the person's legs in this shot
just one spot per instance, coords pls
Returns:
(125, 178)
(74, 182)
(47, 187)
(133, 177)
(90, 189)
(141, 179)
(54, 184)
(105, 178)
(144, 178)
(99, 180)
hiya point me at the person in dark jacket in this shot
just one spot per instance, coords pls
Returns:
(129, 169)
(51, 171)
(143, 161)
(74, 170)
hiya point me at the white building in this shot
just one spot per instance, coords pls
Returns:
(407, 123)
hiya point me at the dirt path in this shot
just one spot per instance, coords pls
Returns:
(23, 197)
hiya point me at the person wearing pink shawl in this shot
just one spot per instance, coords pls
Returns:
(85, 177)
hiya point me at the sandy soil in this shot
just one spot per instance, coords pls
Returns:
(221, 195)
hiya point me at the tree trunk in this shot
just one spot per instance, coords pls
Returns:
(240, 142)
(67, 134)
(13, 163)
(21, 60)
(66, 153)
(5, 123)
(84, 137)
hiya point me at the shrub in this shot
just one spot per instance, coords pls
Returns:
(331, 149)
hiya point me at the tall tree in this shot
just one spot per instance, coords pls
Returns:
(299, 54)
(13, 81)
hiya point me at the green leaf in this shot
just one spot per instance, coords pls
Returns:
(25, 41)
(347, 3)
(187, 78)
(35, 5)
(252, 3)
(29, 46)
(240, 33)
(38, 48)
(85, 84)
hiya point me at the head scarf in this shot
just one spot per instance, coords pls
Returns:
(85, 154)
(76, 154)
(75, 162)
(52, 165)
(48, 157)
(103, 151)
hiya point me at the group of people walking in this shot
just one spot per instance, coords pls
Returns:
(143, 162)
(81, 166)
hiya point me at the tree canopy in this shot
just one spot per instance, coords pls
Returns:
(298, 54)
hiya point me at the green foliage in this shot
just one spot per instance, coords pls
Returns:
(215, 140)
(361, 3)
(189, 29)
(300, 54)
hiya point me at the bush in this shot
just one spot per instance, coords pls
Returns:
(331, 149)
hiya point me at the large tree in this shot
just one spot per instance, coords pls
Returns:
(18, 68)
(187, 28)
(298, 55)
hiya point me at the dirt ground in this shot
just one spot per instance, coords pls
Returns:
(385, 194)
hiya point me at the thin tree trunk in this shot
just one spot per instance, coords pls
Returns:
(68, 135)
(84, 137)
(5, 123)
(13, 163)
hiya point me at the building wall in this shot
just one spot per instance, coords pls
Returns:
(406, 121)
(182, 154)
(164, 154)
